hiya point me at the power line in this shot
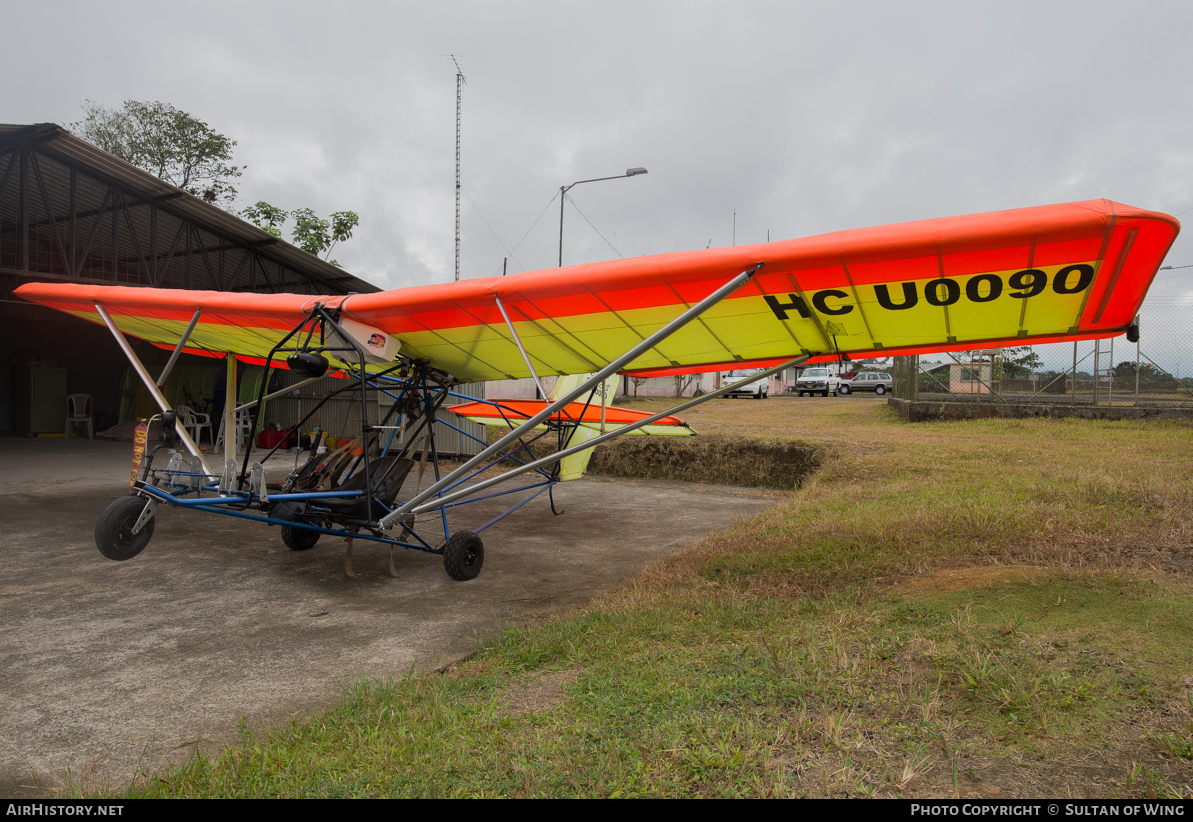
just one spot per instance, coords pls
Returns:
(532, 225)
(594, 228)
(500, 242)
(485, 177)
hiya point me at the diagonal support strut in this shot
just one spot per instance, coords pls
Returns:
(530, 466)
(596, 379)
(135, 362)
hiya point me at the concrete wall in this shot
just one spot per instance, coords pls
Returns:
(922, 411)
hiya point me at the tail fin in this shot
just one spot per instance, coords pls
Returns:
(573, 467)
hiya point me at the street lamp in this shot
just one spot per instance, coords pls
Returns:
(563, 190)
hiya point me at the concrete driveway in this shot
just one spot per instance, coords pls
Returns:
(113, 667)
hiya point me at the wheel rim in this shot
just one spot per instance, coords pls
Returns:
(125, 535)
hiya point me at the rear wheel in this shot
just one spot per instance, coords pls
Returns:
(299, 539)
(114, 535)
(463, 556)
(880, 389)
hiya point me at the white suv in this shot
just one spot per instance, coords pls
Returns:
(759, 389)
(817, 381)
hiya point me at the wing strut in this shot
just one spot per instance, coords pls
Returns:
(518, 340)
(135, 362)
(530, 466)
(186, 335)
(588, 385)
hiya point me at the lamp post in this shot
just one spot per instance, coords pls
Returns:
(563, 190)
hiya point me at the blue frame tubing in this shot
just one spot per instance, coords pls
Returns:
(418, 387)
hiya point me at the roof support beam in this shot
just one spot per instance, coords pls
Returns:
(24, 159)
(170, 254)
(45, 201)
(132, 233)
(80, 186)
(13, 159)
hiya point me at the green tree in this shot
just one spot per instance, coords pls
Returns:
(263, 215)
(171, 144)
(311, 233)
(1020, 362)
(1148, 373)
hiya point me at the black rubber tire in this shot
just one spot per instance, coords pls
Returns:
(463, 556)
(299, 539)
(799, 393)
(880, 390)
(114, 530)
(824, 393)
(844, 389)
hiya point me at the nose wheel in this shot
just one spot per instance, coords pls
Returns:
(114, 532)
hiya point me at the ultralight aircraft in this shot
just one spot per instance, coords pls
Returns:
(1057, 273)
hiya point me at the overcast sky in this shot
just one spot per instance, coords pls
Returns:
(802, 118)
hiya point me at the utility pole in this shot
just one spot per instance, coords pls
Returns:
(563, 193)
(459, 88)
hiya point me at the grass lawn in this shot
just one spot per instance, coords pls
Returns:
(996, 608)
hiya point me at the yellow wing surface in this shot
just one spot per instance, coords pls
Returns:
(1032, 275)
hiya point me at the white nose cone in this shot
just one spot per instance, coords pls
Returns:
(375, 343)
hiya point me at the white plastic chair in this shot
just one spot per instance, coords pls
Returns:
(244, 425)
(78, 409)
(194, 422)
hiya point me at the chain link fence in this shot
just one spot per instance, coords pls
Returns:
(1156, 371)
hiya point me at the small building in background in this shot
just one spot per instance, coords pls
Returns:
(970, 377)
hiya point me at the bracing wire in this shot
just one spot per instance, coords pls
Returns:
(594, 228)
(500, 242)
(532, 225)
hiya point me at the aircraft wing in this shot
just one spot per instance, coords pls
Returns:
(1025, 276)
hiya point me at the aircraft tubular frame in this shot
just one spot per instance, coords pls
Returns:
(418, 392)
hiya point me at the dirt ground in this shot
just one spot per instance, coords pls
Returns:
(113, 668)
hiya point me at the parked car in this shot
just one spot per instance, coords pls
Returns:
(874, 381)
(817, 381)
(759, 389)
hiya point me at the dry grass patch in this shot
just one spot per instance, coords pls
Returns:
(542, 693)
(961, 579)
(712, 459)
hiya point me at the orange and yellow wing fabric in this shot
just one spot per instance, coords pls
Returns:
(1032, 275)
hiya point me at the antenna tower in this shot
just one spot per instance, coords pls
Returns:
(459, 87)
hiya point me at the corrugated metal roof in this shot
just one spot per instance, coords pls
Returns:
(55, 141)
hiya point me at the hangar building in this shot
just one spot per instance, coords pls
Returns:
(71, 212)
